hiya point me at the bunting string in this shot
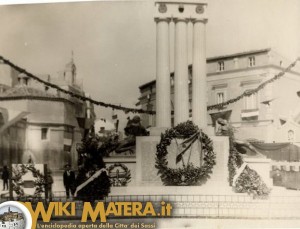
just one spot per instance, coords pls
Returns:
(141, 111)
(72, 94)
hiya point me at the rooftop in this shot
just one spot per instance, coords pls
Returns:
(216, 58)
(22, 90)
(239, 54)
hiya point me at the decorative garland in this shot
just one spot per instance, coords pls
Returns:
(124, 180)
(254, 91)
(75, 95)
(189, 174)
(39, 182)
(141, 111)
(235, 159)
(249, 181)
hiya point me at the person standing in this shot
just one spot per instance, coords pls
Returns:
(5, 177)
(69, 180)
(49, 184)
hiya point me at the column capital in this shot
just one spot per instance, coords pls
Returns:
(178, 19)
(202, 20)
(159, 19)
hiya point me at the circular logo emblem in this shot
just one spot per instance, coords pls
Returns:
(199, 9)
(14, 215)
(162, 8)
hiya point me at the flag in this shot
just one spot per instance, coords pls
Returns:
(68, 139)
(117, 125)
(67, 144)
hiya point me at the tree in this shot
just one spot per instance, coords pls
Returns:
(90, 186)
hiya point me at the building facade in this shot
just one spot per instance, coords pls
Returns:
(12, 138)
(55, 123)
(271, 115)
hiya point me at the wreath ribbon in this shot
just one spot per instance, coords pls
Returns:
(190, 140)
(93, 177)
(238, 173)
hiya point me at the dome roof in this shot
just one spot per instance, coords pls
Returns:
(22, 90)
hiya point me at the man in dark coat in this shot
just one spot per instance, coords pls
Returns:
(5, 177)
(69, 181)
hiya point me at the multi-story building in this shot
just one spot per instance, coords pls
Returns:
(55, 122)
(271, 115)
(13, 220)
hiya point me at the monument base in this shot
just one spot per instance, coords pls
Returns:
(262, 167)
(160, 190)
(146, 173)
(157, 131)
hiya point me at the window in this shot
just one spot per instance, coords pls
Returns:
(220, 97)
(250, 102)
(219, 93)
(172, 81)
(221, 66)
(291, 135)
(251, 61)
(102, 129)
(250, 112)
(44, 133)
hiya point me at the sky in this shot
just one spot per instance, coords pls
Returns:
(12, 208)
(114, 41)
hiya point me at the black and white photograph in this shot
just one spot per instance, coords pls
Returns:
(170, 113)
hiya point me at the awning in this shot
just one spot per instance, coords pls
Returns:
(249, 113)
(279, 151)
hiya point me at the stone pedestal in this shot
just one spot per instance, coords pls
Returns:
(146, 173)
(220, 175)
(149, 182)
(262, 167)
(157, 131)
(128, 161)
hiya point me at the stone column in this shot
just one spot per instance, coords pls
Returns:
(181, 92)
(199, 94)
(163, 97)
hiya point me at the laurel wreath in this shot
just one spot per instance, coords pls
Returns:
(125, 179)
(17, 179)
(188, 174)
